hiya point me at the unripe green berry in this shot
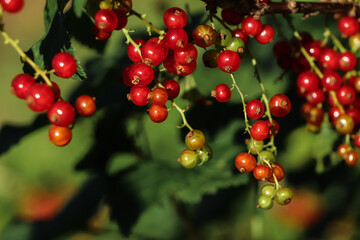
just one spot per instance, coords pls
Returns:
(268, 190)
(258, 146)
(205, 153)
(223, 37)
(236, 45)
(188, 158)
(265, 202)
(267, 156)
(284, 196)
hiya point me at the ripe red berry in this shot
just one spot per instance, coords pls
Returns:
(262, 172)
(347, 61)
(183, 70)
(20, 85)
(40, 97)
(222, 93)
(159, 96)
(255, 109)
(141, 74)
(132, 51)
(348, 26)
(169, 62)
(121, 19)
(176, 38)
(279, 172)
(60, 136)
(238, 33)
(204, 36)
(331, 81)
(12, 6)
(61, 113)
(259, 130)
(354, 113)
(153, 53)
(280, 105)
(313, 49)
(172, 87)
(266, 34)
(64, 65)
(85, 105)
(329, 59)
(228, 61)
(101, 35)
(315, 97)
(231, 16)
(251, 26)
(356, 139)
(186, 55)
(245, 162)
(351, 158)
(140, 95)
(158, 113)
(346, 95)
(106, 20)
(175, 18)
(307, 81)
(273, 128)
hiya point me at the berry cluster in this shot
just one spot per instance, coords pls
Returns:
(111, 16)
(42, 97)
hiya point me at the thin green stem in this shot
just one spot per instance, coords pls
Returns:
(335, 40)
(130, 40)
(181, 111)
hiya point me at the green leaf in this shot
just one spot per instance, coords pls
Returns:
(78, 7)
(50, 11)
(120, 162)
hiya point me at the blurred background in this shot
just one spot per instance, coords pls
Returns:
(119, 177)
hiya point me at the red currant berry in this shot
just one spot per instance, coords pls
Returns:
(351, 158)
(176, 38)
(20, 85)
(132, 51)
(204, 36)
(121, 19)
(255, 109)
(188, 158)
(106, 20)
(85, 105)
(265, 202)
(61, 113)
(238, 33)
(279, 172)
(231, 17)
(158, 113)
(354, 113)
(315, 97)
(329, 59)
(172, 87)
(101, 35)
(356, 139)
(273, 128)
(175, 18)
(347, 61)
(307, 81)
(210, 58)
(140, 95)
(344, 124)
(141, 74)
(12, 6)
(245, 162)
(283, 196)
(251, 26)
(280, 105)
(262, 172)
(343, 149)
(334, 113)
(184, 70)
(228, 61)
(60, 136)
(195, 139)
(159, 96)
(313, 49)
(331, 81)
(222, 93)
(346, 95)
(266, 34)
(259, 130)
(40, 97)
(154, 53)
(125, 76)
(186, 55)
(64, 65)
(169, 63)
(348, 26)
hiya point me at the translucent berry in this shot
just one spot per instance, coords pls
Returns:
(85, 105)
(195, 139)
(64, 65)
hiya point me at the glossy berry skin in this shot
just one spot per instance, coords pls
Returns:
(254, 146)
(268, 190)
(307, 81)
(313, 49)
(348, 26)
(255, 109)
(204, 36)
(315, 97)
(346, 95)
(262, 172)
(351, 158)
(231, 17)
(64, 65)
(169, 62)
(153, 53)
(222, 93)
(238, 33)
(205, 153)
(40, 97)
(85, 105)
(228, 61)
(344, 124)
(265, 202)
(195, 139)
(334, 113)
(175, 18)
(331, 81)
(328, 59)
(245, 162)
(223, 37)
(101, 35)
(259, 130)
(125, 76)
(140, 96)
(273, 128)
(236, 45)
(283, 196)
(159, 96)
(188, 158)
(266, 155)
(186, 55)
(354, 113)
(172, 87)
(356, 139)
(61, 114)
(347, 61)
(158, 113)
(278, 171)
(122, 19)
(176, 38)
(184, 69)
(60, 136)
(20, 85)
(12, 6)
(280, 105)
(343, 149)
(106, 20)
(266, 34)
(210, 58)
(251, 26)
(132, 51)
(141, 74)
